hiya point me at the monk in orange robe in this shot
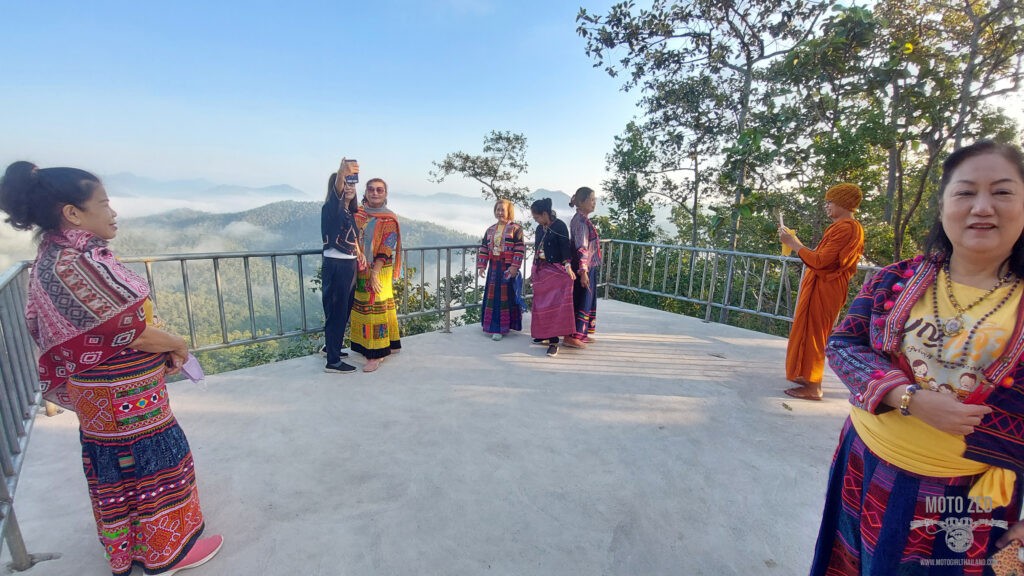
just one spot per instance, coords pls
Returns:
(823, 290)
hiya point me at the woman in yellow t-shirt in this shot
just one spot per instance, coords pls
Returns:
(924, 477)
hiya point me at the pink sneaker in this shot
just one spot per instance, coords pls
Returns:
(202, 551)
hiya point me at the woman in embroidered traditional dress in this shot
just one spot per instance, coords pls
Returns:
(552, 278)
(923, 478)
(499, 258)
(587, 261)
(375, 330)
(102, 357)
(823, 290)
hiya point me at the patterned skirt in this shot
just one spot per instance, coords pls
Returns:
(585, 302)
(137, 463)
(375, 331)
(501, 309)
(880, 520)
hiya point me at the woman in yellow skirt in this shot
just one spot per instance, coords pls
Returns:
(375, 332)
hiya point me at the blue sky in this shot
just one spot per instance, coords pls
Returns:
(260, 93)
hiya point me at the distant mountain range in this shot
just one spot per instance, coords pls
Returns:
(186, 216)
(285, 225)
(434, 220)
(126, 184)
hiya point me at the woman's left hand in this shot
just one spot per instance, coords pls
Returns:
(375, 284)
(511, 273)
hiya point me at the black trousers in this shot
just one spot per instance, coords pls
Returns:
(339, 286)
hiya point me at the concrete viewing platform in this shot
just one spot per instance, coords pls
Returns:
(665, 448)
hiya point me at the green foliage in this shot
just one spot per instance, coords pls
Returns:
(631, 211)
(700, 65)
(462, 289)
(757, 107)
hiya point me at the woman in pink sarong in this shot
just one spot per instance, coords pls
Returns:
(552, 277)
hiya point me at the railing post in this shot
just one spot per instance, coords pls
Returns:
(21, 560)
(448, 291)
(711, 287)
(608, 270)
(723, 316)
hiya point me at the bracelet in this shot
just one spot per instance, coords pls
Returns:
(905, 399)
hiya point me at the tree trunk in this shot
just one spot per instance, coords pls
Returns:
(890, 183)
(696, 192)
(898, 226)
(894, 157)
(968, 80)
(740, 173)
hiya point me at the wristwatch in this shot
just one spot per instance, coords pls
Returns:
(905, 399)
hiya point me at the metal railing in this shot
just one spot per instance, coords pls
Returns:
(19, 400)
(222, 300)
(233, 298)
(711, 280)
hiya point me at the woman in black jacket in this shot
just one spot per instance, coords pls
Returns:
(342, 256)
(552, 278)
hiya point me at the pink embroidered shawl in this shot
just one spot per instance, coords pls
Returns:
(83, 307)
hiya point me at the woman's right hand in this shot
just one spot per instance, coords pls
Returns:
(160, 341)
(347, 168)
(946, 413)
(176, 359)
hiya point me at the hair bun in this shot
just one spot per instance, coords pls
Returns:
(16, 193)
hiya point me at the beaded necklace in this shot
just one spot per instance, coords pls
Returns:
(498, 241)
(962, 363)
(955, 325)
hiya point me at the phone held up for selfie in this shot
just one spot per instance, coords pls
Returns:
(352, 178)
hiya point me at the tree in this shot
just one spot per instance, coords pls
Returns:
(728, 44)
(906, 80)
(994, 51)
(499, 167)
(631, 213)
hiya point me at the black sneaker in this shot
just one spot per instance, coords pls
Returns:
(323, 352)
(552, 350)
(540, 341)
(340, 368)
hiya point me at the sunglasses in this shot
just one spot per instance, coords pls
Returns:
(376, 189)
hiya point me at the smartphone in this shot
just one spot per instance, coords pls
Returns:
(352, 178)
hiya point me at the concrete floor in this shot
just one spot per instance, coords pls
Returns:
(666, 448)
